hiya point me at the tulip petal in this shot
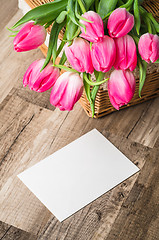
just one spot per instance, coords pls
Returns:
(126, 56)
(120, 22)
(79, 56)
(66, 91)
(103, 54)
(121, 87)
(95, 30)
(29, 37)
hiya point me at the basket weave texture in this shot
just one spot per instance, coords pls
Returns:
(102, 102)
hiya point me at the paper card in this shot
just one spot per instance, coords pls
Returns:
(77, 174)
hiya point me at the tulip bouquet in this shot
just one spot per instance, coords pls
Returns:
(98, 35)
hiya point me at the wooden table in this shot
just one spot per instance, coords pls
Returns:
(32, 129)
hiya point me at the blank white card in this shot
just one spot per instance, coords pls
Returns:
(77, 174)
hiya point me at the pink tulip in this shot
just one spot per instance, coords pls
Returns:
(103, 54)
(126, 56)
(29, 37)
(120, 22)
(94, 30)
(66, 91)
(79, 55)
(149, 47)
(40, 81)
(121, 87)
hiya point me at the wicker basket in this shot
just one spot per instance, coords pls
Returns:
(102, 102)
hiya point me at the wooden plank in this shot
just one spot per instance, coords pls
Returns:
(146, 129)
(8, 10)
(84, 223)
(139, 215)
(43, 134)
(3, 229)
(15, 234)
(26, 138)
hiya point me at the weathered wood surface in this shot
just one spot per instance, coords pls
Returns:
(31, 130)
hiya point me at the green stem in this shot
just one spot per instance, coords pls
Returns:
(95, 90)
(91, 83)
(80, 2)
(66, 68)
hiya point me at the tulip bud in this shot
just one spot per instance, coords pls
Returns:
(29, 37)
(79, 56)
(103, 54)
(149, 47)
(121, 87)
(94, 30)
(66, 91)
(40, 81)
(120, 22)
(126, 56)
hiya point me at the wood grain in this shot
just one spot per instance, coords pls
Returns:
(8, 10)
(146, 129)
(17, 234)
(44, 133)
(140, 212)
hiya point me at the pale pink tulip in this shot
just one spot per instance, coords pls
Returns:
(66, 91)
(94, 30)
(121, 87)
(126, 56)
(29, 37)
(40, 81)
(120, 22)
(149, 47)
(79, 56)
(103, 54)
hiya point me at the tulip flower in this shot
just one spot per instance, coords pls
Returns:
(121, 87)
(103, 54)
(94, 30)
(79, 55)
(29, 37)
(126, 56)
(149, 47)
(40, 81)
(66, 91)
(120, 22)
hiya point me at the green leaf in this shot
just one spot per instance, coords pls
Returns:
(48, 24)
(63, 59)
(52, 42)
(82, 5)
(61, 46)
(58, 28)
(106, 7)
(137, 16)
(88, 3)
(100, 76)
(150, 17)
(78, 15)
(66, 68)
(157, 61)
(142, 74)
(12, 30)
(88, 95)
(72, 30)
(71, 14)
(127, 5)
(61, 17)
(48, 11)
